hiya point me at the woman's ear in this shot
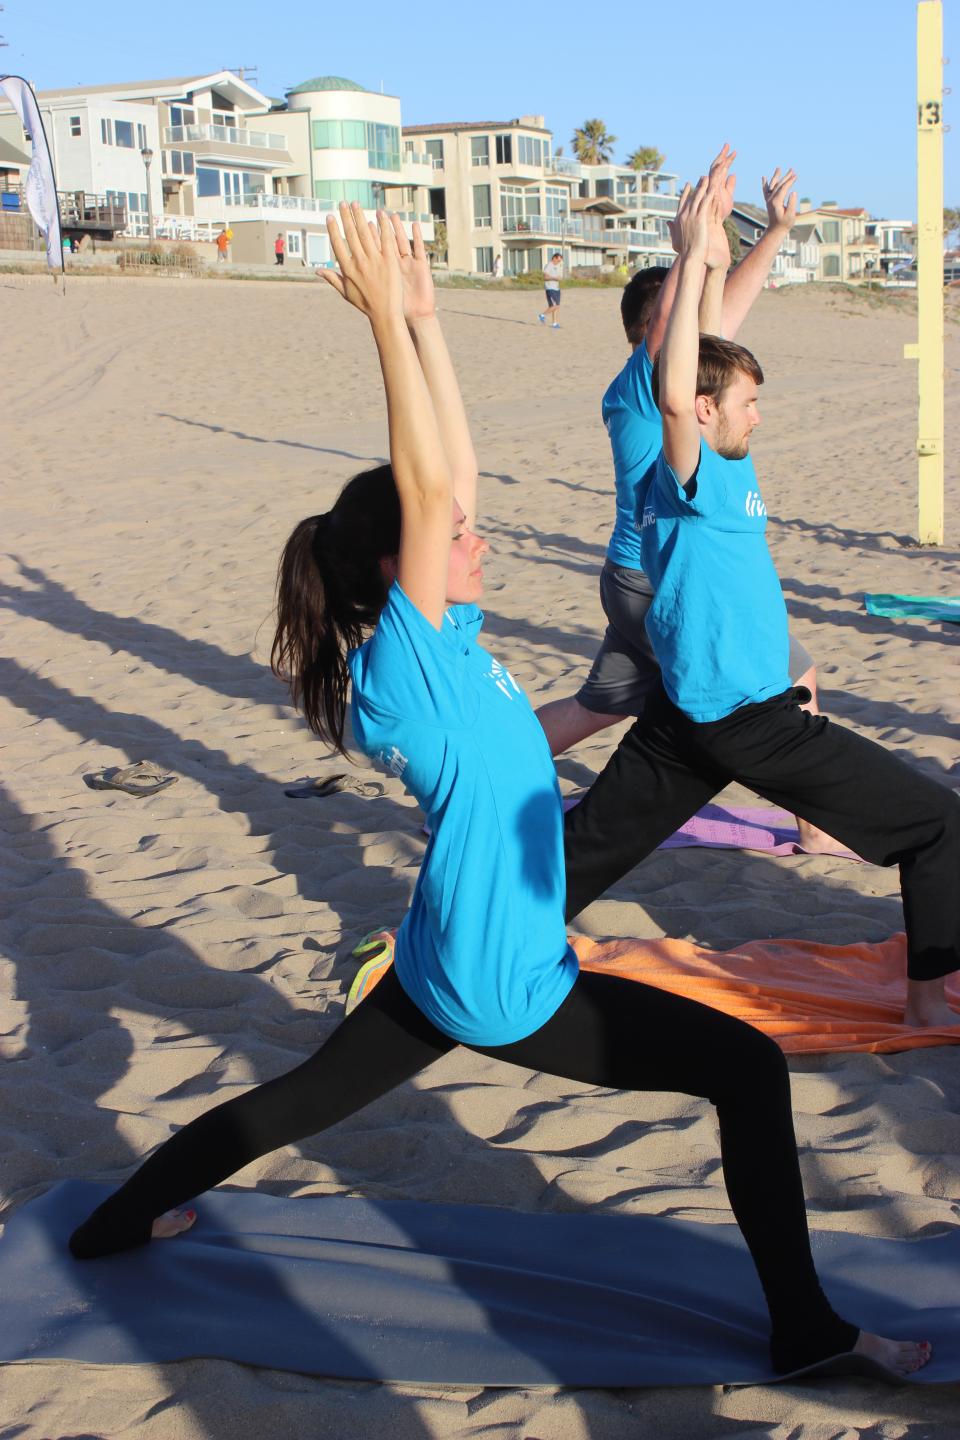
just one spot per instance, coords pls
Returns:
(388, 568)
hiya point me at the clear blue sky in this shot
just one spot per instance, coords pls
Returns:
(827, 86)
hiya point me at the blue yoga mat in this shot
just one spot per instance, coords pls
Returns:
(445, 1294)
(919, 607)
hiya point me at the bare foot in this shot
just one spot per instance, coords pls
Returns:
(174, 1222)
(902, 1356)
(818, 842)
(927, 1006)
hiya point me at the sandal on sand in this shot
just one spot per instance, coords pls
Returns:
(335, 785)
(141, 779)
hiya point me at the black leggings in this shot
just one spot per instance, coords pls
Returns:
(667, 766)
(610, 1032)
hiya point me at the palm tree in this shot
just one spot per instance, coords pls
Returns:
(592, 144)
(646, 157)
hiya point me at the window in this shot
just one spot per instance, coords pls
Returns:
(340, 135)
(75, 127)
(480, 150)
(123, 131)
(294, 243)
(141, 137)
(383, 147)
(831, 265)
(223, 117)
(336, 190)
(484, 265)
(106, 132)
(482, 212)
(434, 149)
(504, 150)
(831, 232)
(178, 162)
(208, 181)
(182, 115)
(529, 150)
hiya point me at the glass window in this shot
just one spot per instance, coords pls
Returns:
(106, 132)
(134, 201)
(480, 150)
(208, 181)
(223, 117)
(182, 115)
(336, 190)
(484, 255)
(831, 264)
(75, 127)
(511, 202)
(529, 150)
(294, 242)
(188, 162)
(383, 146)
(831, 231)
(142, 136)
(504, 150)
(123, 130)
(176, 162)
(254, 183)
(482, 213)
(434, 148)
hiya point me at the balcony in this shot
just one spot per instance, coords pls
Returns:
(259, 205)
(560, 165)
(533, 227)
(233, 143)
(661, 204)
(417, 170)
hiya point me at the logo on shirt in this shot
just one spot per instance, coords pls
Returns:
(649, 518)
(394, 761)
(502, 678)
(754, 505)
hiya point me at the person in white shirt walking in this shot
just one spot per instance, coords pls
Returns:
(552, 273)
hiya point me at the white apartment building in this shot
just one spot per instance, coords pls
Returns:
(625, 213)
(499, 192)
(222, 154)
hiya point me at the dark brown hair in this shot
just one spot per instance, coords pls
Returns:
(330, 591)
(720, 362)
(638, 299)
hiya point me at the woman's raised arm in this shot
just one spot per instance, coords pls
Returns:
(370, 279)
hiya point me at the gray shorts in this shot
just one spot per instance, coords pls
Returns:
(625, 669)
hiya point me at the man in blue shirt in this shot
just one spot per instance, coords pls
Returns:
(718, 628)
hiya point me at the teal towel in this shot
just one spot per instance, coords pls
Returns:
(920, 607)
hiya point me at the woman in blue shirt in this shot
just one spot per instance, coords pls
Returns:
(378, 597)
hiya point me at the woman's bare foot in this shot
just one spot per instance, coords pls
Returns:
(174, 1222)
(904, 1357)
(927, 1006)
(817, 842)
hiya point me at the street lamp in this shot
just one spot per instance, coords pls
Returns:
(146, 155)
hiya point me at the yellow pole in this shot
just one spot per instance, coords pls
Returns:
(929, 348)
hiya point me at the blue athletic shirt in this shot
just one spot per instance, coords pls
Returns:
(636, 434)
(718, 623)
(483, 948)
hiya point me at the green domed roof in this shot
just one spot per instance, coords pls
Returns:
(324, 82)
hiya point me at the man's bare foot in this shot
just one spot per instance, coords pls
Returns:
(927, 1006)
(817, 842)
(902, 1356)
(174, 1222)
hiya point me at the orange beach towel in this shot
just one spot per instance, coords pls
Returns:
(811, 998)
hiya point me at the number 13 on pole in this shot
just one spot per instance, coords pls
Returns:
(928, 350)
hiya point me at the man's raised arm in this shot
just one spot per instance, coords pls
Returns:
(747, 280)
(680, 354)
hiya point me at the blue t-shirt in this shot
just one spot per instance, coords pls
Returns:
(636, 434)
(718, 623)
(483, 948)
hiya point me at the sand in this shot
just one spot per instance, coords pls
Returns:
(160, 437)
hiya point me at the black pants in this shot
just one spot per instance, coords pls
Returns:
(610, 1032)
(667, 766)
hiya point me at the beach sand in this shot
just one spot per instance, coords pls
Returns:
(160, 438)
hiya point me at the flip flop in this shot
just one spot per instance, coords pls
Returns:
(143, 778)
(335, 785)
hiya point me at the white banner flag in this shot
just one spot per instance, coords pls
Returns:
(41, 183)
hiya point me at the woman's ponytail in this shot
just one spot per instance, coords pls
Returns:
(330, 591)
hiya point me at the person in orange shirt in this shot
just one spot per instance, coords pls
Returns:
(279, 245)
(223, 244)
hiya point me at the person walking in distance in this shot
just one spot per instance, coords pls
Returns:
(552, 274)
(279, 246)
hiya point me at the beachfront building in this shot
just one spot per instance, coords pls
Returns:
(500, 193)
(626, 213)
(848, 252)
(798, 259)
(897, 240)
(223, 155)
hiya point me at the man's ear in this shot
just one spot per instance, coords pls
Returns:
(388, 568)
(706, 408)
